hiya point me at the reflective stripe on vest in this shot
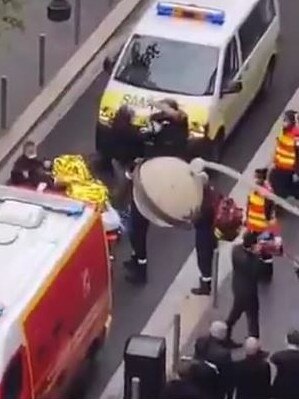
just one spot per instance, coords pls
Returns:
(256, 213)
(285, 154)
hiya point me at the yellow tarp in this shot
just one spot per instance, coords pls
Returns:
(74, 172)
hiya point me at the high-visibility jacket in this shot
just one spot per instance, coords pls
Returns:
(285, 152)
(257, 221)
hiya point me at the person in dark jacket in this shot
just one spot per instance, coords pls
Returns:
(245, 287)
(286, 382)
(212, 349)
(170, 137)
(181, 389)
(205, 239)
(171, 130)
(252, 375)
(127, 139)
(29, 169)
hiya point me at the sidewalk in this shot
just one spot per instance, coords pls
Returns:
(19, 50)
(278, 304)
(278, 300)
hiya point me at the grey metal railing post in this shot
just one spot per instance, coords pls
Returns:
(4, 90)
(135, 388)
(41, 59)
(215, 272)
(77, 21)
(176, 342)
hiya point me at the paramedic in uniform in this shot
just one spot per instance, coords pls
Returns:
(286, 166)
(205, 239)
(260, 218)
(169, 131)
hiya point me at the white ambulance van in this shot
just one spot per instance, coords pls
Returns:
(213, 57)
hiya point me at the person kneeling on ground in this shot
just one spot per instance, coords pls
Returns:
(29, 169)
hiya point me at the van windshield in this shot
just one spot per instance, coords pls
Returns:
(169, 66)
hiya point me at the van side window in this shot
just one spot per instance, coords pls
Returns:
(13, 379)
(256, 25)
(231, 63)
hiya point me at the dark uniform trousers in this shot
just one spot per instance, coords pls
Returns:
(249, 306)
(282, 182)
(205, 244)
(138, 232)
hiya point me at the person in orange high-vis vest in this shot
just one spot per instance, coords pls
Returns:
(284, 176)
(261, 218)
(260, 210)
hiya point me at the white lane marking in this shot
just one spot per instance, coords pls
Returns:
(177, 298)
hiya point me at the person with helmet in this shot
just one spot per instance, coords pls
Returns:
(260, 218)
(284, 175)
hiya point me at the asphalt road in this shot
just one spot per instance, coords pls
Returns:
(19, 49)
(168, 250)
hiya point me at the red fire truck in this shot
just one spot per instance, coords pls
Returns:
(55, 291)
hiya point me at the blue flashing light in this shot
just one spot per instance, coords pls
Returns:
(75, 210)
(213, 16)
(164, 10)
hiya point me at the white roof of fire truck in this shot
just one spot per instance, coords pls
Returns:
(192, 30)
(35, 231)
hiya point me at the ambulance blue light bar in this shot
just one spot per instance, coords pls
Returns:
(211, 15)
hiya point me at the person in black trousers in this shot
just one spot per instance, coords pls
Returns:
(245, 278)
(138, 230)
(252, 375)
(205, 239)
(286, 382)
(169, 139)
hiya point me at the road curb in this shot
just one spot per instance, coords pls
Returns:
(67, 76)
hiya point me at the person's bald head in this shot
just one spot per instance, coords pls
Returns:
(252, 346)
(218, 330)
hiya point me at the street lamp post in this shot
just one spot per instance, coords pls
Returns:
(59, 11)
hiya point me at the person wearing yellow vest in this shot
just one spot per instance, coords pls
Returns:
(260, 211)
(261, 218)
(284, 175)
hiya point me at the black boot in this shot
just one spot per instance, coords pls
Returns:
(203, 289)
(138, 274)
